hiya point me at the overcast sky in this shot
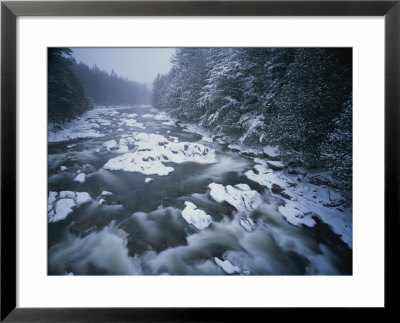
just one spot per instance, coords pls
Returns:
(137, 64)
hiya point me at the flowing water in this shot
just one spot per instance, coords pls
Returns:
(133, 226)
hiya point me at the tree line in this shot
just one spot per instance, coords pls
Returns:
(299, 99)
(74, 88)
(109, 88)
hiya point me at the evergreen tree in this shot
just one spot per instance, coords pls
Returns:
(296, 98)
(66, 97)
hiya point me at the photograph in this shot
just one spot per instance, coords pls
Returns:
(200, 161)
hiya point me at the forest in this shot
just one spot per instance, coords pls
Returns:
(299, 99)
(74, 88)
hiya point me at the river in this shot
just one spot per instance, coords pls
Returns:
(133, 192)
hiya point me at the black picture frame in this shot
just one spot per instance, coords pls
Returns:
(10, 10)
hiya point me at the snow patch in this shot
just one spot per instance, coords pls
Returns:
(195, 216)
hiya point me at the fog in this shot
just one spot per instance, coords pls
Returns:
(137, 64)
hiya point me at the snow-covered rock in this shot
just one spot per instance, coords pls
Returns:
(60, 205)
(154, 150)
(82, 198)
(81, 178)
(68, 194)
(245, 151)
(110, 145)
(195, 216)
(266, 177)
(227, 266)
(207, 139)
(123, 146)
(52, 197)
(106, 193)
(275, 165)
(271, 152)
(145, 162)
(297, 171)
(148, 180)
(62, 209)
(148, 141)
(63, 168)
(240, 196)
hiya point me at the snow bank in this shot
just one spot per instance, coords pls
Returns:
(195, 216)
(240, 196)
(296, 214)
(303, 198)
(82, 127)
